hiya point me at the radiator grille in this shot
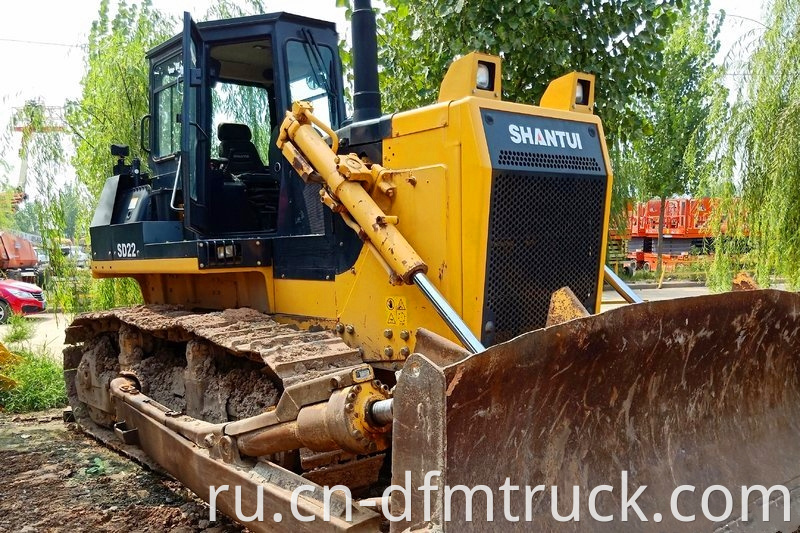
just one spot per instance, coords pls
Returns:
(545, 232)
(522, 158)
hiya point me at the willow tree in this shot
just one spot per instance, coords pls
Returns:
(114, 88)
(671, 155)
(114, 97)
(54, 202)
(764, 137)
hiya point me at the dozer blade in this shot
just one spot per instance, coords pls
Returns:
(698, 391)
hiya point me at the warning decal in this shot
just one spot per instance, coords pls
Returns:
(396, 311)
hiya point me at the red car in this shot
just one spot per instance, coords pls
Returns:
(19, 298)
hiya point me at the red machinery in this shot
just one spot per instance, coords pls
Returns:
(686, 229)
(18, 258)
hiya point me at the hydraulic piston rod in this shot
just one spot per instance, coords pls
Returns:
(448, 314)
(621, 287)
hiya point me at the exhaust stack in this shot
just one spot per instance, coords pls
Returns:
(367, 96)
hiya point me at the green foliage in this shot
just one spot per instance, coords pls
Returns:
(98, 468)
(108, 293)
(673, 154)
(114, 88)
(243, 104)
(539, 40)
(20, 329)
(67, 282)
(230, 8)
(26, 219)
(113, 100)
(764, 140)
(40, 383)
(668, 157)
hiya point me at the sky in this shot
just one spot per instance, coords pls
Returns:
(42, 59)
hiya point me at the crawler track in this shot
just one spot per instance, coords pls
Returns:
(215, 366)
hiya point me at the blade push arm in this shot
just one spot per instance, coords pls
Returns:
(343, 191)
(344, 178)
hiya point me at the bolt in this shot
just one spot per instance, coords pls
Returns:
(357, 389)
(200, 245)
(387, 333)
(348, 407)
(350, 329)
(388, 352)
(201, 265)
(258, 263)
(404, 351)
(351, 396)
(339, 328)
(405, 335)
(335, 382)
(355, 433)
(258, 243)
(412, 180)
(209, 441)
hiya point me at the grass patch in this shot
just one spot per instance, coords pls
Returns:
(39, 383)
(20, 329)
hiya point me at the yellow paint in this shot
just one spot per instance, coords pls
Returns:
(441, 199)
(396, 312)
(181, 265)
(561, 93)
(462, 76)
(305, 298)
(448, 218)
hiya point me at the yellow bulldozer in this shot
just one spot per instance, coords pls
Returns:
(404, 308)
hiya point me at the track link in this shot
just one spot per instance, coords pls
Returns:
(216, 366)
(290, 354)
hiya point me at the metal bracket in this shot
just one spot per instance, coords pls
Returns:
(126, 435)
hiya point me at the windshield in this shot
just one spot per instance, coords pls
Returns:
(311, 71)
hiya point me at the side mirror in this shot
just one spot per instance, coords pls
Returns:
(119, 150)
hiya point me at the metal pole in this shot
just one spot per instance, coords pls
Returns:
(381, 411)
(621, 287)
(448, 314)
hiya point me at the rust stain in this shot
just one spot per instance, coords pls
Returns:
(454, 383)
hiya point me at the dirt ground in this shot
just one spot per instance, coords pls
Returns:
(53, 478)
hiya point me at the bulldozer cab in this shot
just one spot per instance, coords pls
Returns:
(217, 92)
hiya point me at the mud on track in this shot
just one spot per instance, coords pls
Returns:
(54, 478)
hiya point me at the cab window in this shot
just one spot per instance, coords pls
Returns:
(168, 87)
(311, 75)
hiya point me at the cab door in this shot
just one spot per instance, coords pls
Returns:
(194, 138)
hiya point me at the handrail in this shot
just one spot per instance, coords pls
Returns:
(175, 187)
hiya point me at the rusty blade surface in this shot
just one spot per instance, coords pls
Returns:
(698, 391)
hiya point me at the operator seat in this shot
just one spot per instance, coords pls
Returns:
(244, 165)
(236, 146)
